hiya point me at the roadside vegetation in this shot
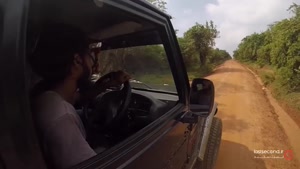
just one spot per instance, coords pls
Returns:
(275, 55)
(197, 45)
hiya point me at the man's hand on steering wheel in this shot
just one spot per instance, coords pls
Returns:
(113, 79)
(109, 108)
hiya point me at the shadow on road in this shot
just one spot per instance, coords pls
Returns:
(229, 70)
(237, 156)
(232, 124)
(224, 88)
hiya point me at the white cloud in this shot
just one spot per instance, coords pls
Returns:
(182, 25)
(238, 18)
(187, 11)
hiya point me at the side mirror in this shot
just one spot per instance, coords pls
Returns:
(202, 97)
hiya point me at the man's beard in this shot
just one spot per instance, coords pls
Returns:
(84, 83)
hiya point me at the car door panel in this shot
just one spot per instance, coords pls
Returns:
(162, 143)
(168, 151)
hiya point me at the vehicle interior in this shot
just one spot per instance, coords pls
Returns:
(116, 114)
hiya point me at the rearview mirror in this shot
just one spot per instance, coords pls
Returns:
(202, 97)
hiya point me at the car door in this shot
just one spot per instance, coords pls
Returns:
(160, 145)
(163, 143)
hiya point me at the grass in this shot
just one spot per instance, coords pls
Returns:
(167, 78)
(201, 72)
(159, 79)
(193, 74)
(164, 78)
(267, 78)
(156, 78)
(292, 99)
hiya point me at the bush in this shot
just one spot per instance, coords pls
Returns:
(289, 79)
(205, 70)
(267, 78)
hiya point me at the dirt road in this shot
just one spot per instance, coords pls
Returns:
(252, 120)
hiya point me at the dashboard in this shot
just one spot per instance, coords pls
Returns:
(147, 106)
(140, 104)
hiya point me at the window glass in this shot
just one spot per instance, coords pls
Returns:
(148, 66)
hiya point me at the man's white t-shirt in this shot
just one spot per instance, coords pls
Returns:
(61, 130)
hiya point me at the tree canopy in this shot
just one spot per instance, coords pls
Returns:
(200, 39)
(197, 46)
(278, 46)
(160, 4)
(197, 43)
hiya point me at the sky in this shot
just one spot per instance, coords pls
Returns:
(235, 19)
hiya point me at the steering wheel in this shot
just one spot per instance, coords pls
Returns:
(108, 109)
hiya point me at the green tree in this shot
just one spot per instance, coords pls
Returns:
(263, 53)
(189, 55)
(249, 47)
(201, 38)
(160, 4)
(295, 9)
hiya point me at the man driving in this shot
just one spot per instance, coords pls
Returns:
(65, 61)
